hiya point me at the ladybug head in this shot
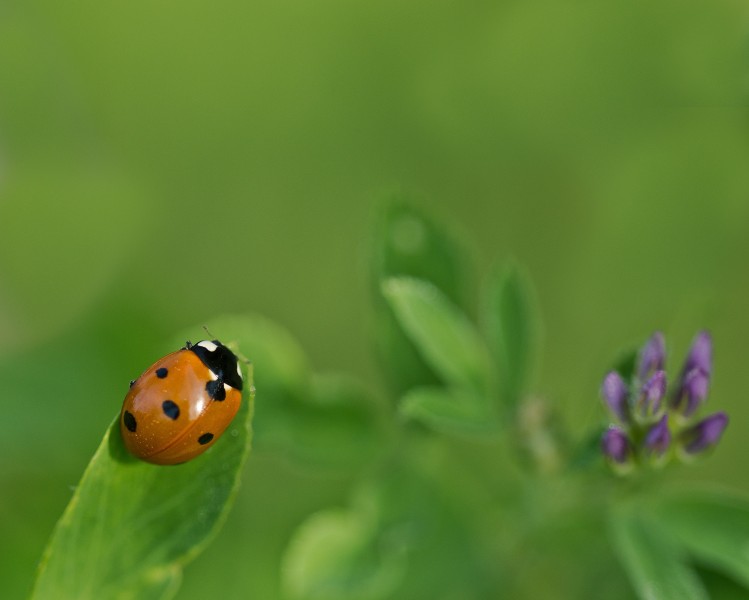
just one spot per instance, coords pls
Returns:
(220, 360)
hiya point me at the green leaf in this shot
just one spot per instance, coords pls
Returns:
(653, 561)
(449, 410)
(397, 356)
(131, 526)
(399, 538)
(712, 526)
(445, 337)
(513, 330)
(409, 242)
(338, 554)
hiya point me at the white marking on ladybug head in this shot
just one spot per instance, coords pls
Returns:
(239, 371)
(210, 346)
(227, 387)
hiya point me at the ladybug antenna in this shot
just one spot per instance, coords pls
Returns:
(210, 335)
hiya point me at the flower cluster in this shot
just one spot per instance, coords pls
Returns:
(653, 425)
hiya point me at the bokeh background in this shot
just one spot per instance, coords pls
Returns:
(165, 162)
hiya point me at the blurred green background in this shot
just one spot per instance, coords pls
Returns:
(162, 163)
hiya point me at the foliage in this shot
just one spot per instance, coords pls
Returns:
(465, 467)
(479, 390)
(161, 163)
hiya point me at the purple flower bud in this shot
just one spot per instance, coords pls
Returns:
(615, 445)
(615, 393)
(692, 392)
(658, 437)
(700, 354)
(652, 356)
(651, 395)
(695, 376)
(704, 434)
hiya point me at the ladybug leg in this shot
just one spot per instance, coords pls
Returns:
(188, 345)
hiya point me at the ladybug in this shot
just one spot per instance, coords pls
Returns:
(181, 404)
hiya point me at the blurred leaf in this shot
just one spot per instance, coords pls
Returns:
(409, 242)
(417, 514)
(159, 584)
(449, 410)
(131, 526)
(398, 539)
(400, 361)
(714, 527)
(513, 330)
(445, 337)
(719, 585)
(653, 561)
(338, 554)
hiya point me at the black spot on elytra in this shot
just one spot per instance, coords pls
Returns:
(216, 389)
(221, 361)
(129, 420)
(205, 438)
(161, 373)
(132, 382)
(170, 409)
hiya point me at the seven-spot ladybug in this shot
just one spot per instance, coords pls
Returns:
(182, 403)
